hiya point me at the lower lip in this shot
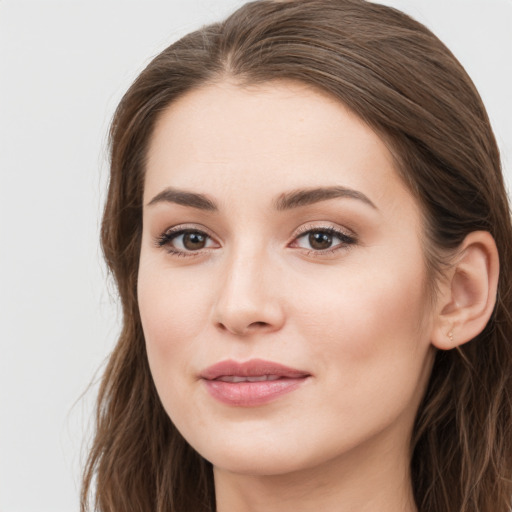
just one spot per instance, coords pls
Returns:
(251, 394)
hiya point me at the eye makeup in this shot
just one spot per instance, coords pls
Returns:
(185, 241)
(313, 240)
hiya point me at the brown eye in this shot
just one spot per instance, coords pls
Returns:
(319, 240)
(185, 241)
(324, 239)
(194, 241)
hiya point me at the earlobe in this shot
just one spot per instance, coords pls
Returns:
(467, 297)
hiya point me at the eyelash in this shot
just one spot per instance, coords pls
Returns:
(346, 240)
(165, 241)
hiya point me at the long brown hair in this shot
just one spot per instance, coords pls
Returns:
(401, 80)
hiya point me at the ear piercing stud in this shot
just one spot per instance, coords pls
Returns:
(450, 336)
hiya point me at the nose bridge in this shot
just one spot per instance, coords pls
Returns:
(247, 300)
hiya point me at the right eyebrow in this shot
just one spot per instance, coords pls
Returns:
(191, 199)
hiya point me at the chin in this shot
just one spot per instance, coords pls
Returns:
(260, 454)
(250, 456)
(257, 464)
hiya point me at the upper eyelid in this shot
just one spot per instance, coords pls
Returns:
(179, 228)
(306, 228)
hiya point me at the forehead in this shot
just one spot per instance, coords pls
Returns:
(262, 140)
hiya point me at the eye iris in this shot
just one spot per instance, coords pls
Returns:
(319, 240)
(194, 241)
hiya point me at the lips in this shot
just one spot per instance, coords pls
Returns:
(252, 383)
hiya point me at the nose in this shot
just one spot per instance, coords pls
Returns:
(248, 300)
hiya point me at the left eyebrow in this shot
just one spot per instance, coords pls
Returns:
(305, 197)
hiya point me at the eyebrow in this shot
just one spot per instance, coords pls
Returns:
(184, 198)
(286, 201)
(304, 197)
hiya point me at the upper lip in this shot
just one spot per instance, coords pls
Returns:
(251, 368)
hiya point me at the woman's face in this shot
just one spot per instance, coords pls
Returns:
(282, 284)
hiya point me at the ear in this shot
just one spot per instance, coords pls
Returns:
(467, 297)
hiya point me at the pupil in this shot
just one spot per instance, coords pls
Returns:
(320, 240)
(194, 241)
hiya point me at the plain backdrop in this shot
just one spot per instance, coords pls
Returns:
(64, 66)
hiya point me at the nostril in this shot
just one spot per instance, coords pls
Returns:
(258, 324)
(248, 318)
(243, 330)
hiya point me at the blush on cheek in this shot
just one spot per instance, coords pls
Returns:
(172, 324)
(379, 320)
(169, 309)
(168, 331)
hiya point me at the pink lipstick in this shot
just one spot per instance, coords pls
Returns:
(252, 383)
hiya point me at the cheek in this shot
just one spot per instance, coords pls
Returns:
(173, 302)
(370, 352)
(173, 310)
(368, 331)
(364, 306)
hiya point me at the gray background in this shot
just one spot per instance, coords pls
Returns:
(63, 67)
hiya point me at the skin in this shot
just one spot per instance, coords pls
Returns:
(356, 318)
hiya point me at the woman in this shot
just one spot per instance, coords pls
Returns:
(308, 227)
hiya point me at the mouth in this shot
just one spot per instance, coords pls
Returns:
(252, 383)
(236, 378)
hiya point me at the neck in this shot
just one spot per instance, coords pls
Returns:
(379, 483)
